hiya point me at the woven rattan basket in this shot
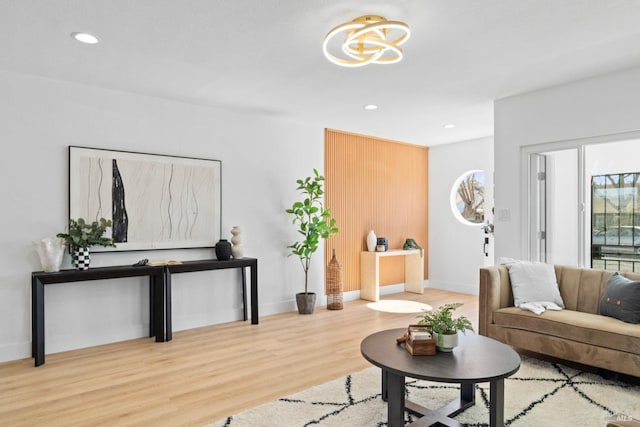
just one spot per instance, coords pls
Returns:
(334, 286)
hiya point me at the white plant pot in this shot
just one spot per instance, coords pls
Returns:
(445, 342)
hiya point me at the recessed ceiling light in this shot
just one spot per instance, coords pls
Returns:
(85, 38)
(370, 107)
(449, 126)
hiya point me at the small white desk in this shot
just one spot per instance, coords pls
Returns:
(370, 272)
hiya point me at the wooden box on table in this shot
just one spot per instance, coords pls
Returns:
(419, 346)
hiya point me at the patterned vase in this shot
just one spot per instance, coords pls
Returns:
(237, 250)
(81, 258)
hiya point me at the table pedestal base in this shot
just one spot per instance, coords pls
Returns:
(394, 385)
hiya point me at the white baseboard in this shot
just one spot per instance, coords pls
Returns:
(55, 344)
(15, 351)
(463, 288)
(384, 290)
(65, 342)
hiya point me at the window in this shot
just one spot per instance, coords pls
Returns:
(615, 222)
(467, 198)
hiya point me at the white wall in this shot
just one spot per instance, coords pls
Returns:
(600, 106)
(456, 249)
(614, 157)
(261, 159)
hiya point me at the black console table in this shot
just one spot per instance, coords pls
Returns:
(214, 264)
(159, 293)
(40, 278)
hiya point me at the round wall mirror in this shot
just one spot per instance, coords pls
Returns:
(467, 198)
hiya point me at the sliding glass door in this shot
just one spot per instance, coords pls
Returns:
(584, 205)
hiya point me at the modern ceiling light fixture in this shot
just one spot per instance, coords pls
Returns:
(85, 38)
(369, 39)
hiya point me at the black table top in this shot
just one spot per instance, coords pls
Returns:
(476, 359)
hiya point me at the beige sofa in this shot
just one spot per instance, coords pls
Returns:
(577, 333)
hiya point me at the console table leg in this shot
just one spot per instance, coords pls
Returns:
(254, 293)
(244, 293)
(167, 304)
(152, 306)
(37, 321)
(395, 402)
(496, 403)
(370, 276)
(157, 283)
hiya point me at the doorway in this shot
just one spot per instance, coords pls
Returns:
(567, 218)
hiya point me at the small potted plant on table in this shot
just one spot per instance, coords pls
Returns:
(81, 235)
(445, 327)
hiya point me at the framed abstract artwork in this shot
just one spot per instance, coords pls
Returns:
(154, 201)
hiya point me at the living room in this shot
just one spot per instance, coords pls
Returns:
(50, 104)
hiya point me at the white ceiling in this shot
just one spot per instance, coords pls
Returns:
(265, 56)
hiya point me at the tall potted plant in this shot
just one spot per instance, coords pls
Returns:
(81, 235)
(313, 221)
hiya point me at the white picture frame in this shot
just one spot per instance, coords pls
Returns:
(154, 201)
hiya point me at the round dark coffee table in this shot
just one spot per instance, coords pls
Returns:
(476, 359)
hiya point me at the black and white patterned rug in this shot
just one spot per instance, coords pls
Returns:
(539, 394)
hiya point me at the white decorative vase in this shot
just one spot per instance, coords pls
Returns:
(50, 251)
(237, 250)
(81, 258)
(372, 241)
(446, 342)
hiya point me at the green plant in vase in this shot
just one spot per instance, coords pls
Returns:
(81, 235)
(313, 221)
(445, 326)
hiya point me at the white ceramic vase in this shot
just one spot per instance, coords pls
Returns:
(50, 251)
(372, 241)
(446, 342)
(237, 250)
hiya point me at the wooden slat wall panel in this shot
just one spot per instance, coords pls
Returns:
(374, 183)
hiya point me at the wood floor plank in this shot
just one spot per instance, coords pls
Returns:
(203, 374)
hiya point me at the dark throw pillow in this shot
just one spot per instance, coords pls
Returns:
(621, 299)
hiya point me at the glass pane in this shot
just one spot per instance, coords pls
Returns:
(468, 197)
(615, 222)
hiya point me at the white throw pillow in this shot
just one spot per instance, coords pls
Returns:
(534, 282)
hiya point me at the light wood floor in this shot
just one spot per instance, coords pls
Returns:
(203, 374)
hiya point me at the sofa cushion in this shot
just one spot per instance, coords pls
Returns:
(621, 299)
(581, 288)
(572, 325)
(534, 282)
